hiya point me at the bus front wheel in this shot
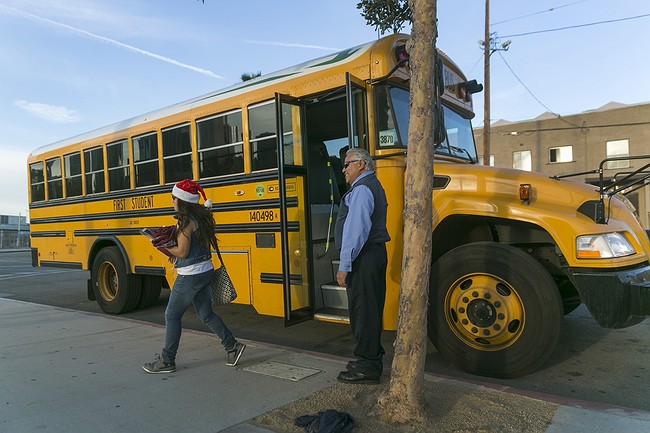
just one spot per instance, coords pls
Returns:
(493, 310)
(116, 291)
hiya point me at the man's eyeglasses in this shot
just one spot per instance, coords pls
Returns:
(174, 197)
(346, 163)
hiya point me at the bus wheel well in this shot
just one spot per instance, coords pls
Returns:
(457, 230)
(102, 243)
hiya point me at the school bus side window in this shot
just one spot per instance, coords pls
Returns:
(94, 170)
(392, 115)
(72, 168)
(117, 155)
(54, 179)
(220, 145)
(177, 153)
(145, 160)
(262, 136)
(37, 181)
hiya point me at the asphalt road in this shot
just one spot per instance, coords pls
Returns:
(601, 366)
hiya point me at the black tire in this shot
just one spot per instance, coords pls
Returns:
(493, 310)
(116, 291)
(150, 292)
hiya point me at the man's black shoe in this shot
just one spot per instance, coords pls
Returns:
(354, 365)
(356, 376)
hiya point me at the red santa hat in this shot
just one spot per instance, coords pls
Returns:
(191, 192)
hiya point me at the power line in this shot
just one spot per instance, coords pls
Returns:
(531, 93)
(537, 13)
(611, 125)
(477, 61)
(577, 26)
(525, 87)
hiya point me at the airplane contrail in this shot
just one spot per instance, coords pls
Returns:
(285, 44)
(112, 42)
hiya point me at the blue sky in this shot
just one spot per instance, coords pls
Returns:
(71, 66)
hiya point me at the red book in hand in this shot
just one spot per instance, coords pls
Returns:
(162, 238)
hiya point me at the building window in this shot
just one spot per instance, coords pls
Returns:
(37, 181)
(480, 160)
(617, 149)
(522, 160)
(177, 153)
(54, 178)
(221, 145)
(117, 157)
(145, 160)
(94, 170)
(560, 154)
(73, 178)
(262, 136)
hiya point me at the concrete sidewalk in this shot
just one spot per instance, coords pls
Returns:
(69, 371)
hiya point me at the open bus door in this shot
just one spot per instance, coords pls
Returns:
(355, 97)
(294, 211)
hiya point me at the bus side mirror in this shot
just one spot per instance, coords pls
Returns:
(472, 87)
(439, 130)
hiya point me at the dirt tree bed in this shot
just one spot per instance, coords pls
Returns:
(452, 407)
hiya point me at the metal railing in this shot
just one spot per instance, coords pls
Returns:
(622, 182)
(14, 239)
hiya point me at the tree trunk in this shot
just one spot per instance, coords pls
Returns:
(403, 401)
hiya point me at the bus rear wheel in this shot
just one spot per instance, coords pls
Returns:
(116, 291)
(494, 310)
(150, 291)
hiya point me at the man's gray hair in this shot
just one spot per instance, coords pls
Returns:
(362, 155)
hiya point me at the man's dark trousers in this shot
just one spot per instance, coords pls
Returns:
(366, 296)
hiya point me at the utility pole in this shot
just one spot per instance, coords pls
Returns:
(486, 86)
(489, 45)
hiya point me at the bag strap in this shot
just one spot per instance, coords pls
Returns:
(220, 259)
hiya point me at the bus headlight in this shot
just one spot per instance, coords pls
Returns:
(603, 246)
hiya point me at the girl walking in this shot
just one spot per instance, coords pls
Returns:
(192, 257)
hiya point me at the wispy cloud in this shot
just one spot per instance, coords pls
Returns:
(286, 44)
(110, 41)
(48, 112)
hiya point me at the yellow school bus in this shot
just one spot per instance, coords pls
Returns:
(513, 251)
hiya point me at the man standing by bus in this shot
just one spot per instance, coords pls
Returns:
(360, 234)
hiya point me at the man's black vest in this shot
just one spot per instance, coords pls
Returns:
(378, 233)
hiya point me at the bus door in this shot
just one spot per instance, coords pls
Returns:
(294, 215)
(335, 121)
(355, 97)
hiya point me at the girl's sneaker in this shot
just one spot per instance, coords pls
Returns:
(159, 366)
(233, 355)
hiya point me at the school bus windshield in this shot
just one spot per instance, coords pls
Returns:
(393, 123)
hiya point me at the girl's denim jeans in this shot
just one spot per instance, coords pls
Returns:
(195, 290)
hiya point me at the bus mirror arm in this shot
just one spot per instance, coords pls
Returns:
(391, 72)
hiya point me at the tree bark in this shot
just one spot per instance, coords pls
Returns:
(403, 401)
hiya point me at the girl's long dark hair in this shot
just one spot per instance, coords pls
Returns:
(204, 221)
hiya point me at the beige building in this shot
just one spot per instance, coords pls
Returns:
(577, 144)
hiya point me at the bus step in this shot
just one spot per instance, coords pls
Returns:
(335, 315)
(335, 268)
(334, 296)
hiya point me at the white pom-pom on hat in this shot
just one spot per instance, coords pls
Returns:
(208, 204)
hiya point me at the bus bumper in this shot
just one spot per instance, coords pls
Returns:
(35, 257)
(615, 299)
